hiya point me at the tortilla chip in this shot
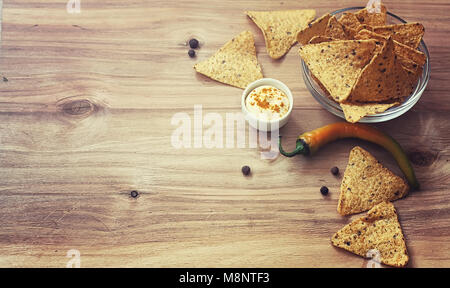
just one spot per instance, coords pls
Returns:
(409, 34)
(320, 39)
(356, 111)
(315, 40)
(324, 90)
(364, 27)
(335, 30)
(349, 20)
(406, 52)
(413, 74)
(366, 183)
(382, 79)
(372, 18)
(365, 34)
(380, 230)
(350, 24)
(235, 63)
(338, 64)
(412, 66)
(409, 58)
(281, 27)
(316, 28)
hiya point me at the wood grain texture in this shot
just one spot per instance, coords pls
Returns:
(85, 118)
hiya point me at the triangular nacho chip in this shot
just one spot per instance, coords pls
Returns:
(335, 30)
(316, 28)
(377, 235)
(349, 19)
(406, 52)
(365, 34)
(338, 64)
(411, 59)
(235, 63)
(366, 183)
(364, 27)
(281, 27)
(382, 79)
(409, 34)
(412, 66)
(350, 24)
(356, 111)
(413, 72)
(320, 39)
(372, 17)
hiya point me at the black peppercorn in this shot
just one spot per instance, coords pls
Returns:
(246, 170)
(193, 43)
(324, 190)
(191, 53)
(335, 170)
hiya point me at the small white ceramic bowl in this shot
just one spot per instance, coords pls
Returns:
(264, 125)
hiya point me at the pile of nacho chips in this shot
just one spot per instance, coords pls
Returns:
(361, 62)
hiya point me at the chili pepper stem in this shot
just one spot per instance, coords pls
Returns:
(299, 149)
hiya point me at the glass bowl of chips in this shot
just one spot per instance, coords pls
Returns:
(391, 113)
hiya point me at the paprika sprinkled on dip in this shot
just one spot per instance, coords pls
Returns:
(267, 103)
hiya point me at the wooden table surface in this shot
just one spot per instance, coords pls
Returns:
(86, 111)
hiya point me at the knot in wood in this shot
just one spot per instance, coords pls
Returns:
(422, 158)
(78, 107)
